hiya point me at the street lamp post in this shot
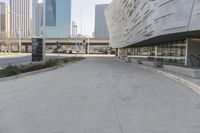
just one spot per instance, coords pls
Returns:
(20, 42)
(88, 45)
(44, 30)
(76, 41)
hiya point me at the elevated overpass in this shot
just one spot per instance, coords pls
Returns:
(27, 42)
(92, 41)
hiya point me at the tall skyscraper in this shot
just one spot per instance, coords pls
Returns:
(58, 18)
(4, 19)
(74, 29)
(20, 18)
(40, 18)
(101, 29)
(37, 20)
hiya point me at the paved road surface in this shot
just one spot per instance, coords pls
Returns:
(98, 95)
(15, 60)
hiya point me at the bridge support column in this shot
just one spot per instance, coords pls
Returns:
(86, 49)
(9, 47)
(18, 47)
(1, 47)
(26, 48)
(117, 52)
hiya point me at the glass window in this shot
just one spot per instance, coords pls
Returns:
(171, 52)
(50, 13)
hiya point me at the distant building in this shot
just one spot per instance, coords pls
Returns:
(37, 15)
(35, 18)
(74, 29)
(81, 36)
(40, 18)
(101, 29)
(2, 16)
(20, 15)
(92, 34)
(58, 18)
(4, 19)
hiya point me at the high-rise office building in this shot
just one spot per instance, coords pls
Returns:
(20, 11)
(40, 18)
(37, 18)
(4, 19)
(58, 18)
(74, 29)
(101, 29)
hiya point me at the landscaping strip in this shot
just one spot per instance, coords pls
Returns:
(13, 70)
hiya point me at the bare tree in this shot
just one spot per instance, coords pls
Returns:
(6, 41)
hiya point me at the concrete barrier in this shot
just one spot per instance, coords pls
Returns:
(136, 61)
(191, 72)
(127, 59)
(121, 57)
(152, 64)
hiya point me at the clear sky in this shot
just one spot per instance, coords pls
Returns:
(88, 13)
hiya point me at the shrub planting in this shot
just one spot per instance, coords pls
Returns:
(12, 70)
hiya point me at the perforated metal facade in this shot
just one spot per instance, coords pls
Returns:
(131, 22)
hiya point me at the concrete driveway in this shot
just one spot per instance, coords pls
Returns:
(98, 95)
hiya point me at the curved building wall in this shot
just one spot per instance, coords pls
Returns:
(134, 21)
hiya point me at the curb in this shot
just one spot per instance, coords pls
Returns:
(28, 74)
(185, 82)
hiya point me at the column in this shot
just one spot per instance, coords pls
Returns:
(156, 52)
(1, 47)
(117, 52)
(26, 48)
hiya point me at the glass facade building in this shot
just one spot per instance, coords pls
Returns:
(171, 52)
(20, 18)
(101, 28)
(168, 31)
(2, 17)
(58, 18)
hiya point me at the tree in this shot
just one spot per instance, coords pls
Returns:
(6, 41)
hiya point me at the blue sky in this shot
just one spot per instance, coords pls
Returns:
(88, 8)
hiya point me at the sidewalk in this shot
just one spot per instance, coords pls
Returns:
(190, 82)
(193, 80)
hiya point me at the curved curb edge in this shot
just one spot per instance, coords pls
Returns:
(36, 72)
(28, 74)
(185, 82)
